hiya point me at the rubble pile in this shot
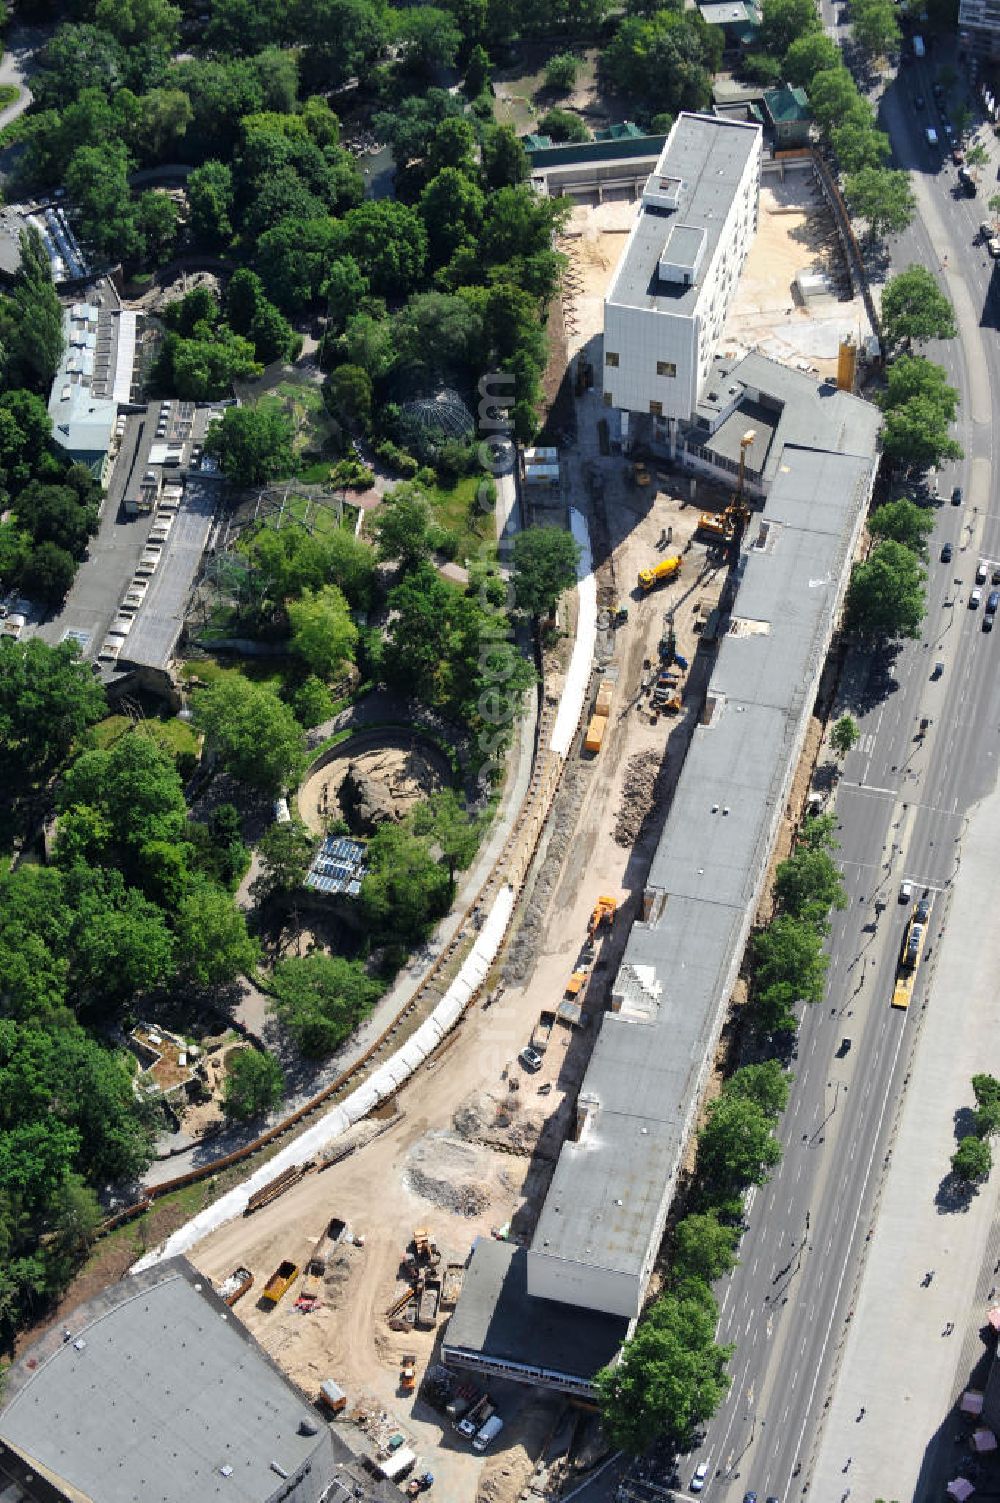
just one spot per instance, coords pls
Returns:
(645, 784)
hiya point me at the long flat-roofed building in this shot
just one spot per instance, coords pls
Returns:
(602, 1222)
(666, 307)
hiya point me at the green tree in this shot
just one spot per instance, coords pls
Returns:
(667, 60)
(545, 561)
(833, 96)
(404, 889)
(204, 369)
(858, 145)
(344, 289)
(47, 700)
(875, 26)
(561, 71)
(563, 125)
(904, 523)
(789, 951)
(323, 632)
(736, 1147)
(977, 155)
(156, 226)
(915, 308)
(844, 735)
(34, 336)
(972, 1160)
(767, 1084)
(321, 999)
(916, 434)
(48, 573)
(784, 22)
(285, 851)
(213, 946)
(885, 595)
(505, 161)
(807, 885)
(348, 394)
(704, 1248)
(816, 833)
(53, 513)
(312, 702)
(451, 208)
(812, 53)
(97, 187)
(403, 526)
(477, 73)
(131, 22)
(210, 201)
(256, 736)
(883, 197)
(986, 1089)
(120, 944)
(161, 120)
(456, 833)
(254, 1084)
(253, 444)
(670, 1378)
(389, 243)
(428, 38)
(25, 431)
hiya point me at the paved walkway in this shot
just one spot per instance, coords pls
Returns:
(897, 1362)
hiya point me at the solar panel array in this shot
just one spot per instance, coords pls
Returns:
(338, 866)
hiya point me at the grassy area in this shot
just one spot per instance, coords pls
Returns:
(173, 735)
(312, 425)
(9, 94)
(208, 671)
(456, 509)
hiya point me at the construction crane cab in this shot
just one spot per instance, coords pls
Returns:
(727, 527)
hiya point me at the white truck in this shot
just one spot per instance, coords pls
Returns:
(919, 50)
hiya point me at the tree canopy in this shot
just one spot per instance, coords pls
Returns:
(904, 523)
(255, 735)
(545, 560)
(885, 596)
(321, 999)
(915, 308)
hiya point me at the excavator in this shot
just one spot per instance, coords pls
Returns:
(604, 913)
(727, 527)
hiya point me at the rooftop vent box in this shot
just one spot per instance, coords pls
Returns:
(662, 192)
(681, 257)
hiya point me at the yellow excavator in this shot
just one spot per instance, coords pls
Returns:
(727, 527)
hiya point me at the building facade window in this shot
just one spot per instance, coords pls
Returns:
(610, 358)
(666, 368)
(609, 400)
(656, 408)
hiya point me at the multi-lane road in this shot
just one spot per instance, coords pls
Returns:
(901, 808)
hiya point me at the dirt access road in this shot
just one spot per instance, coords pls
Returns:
(467, 1154)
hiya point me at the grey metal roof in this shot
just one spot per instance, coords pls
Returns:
(709, 157)
(643, 1080)
(498, 1319)
(157, 1390)
(810, 414)
(151, 642)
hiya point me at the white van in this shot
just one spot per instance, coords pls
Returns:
(488, 1433)
(932, 135)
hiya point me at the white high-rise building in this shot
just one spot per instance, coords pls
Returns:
(678, 273)
(979, 27)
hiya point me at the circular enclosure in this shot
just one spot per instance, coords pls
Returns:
(376, 775)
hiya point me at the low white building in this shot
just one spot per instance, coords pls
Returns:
(666, 307)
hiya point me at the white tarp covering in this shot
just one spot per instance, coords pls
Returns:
(578, 676)
(336, 1121)
(960, 1489)
(984, 1440)
(972, 1402)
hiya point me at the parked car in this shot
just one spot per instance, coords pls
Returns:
(946, 554)
(975, 599)
(698, 1480)
(905, 891)
(956, 496)
(982, 569)
(938, 670)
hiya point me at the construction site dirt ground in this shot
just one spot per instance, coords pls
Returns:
(467, 1153)
(795, 234)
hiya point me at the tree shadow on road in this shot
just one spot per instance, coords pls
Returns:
(954, 1196)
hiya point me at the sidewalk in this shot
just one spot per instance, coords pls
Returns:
(897, 1363)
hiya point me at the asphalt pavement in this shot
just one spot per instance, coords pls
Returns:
(902, 809)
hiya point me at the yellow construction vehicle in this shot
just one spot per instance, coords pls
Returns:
(728, 526)
(604, 913)
(664, 570)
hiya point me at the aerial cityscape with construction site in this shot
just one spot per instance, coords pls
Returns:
(498, 575)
